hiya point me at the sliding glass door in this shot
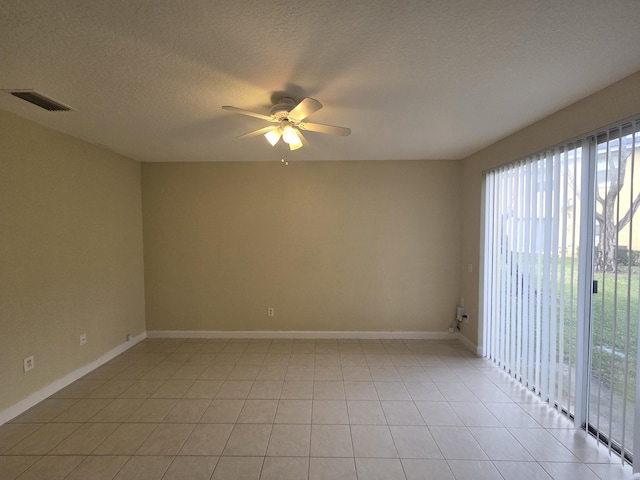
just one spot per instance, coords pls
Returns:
(615, 307)
(562, 278)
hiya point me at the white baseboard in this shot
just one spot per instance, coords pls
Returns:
(470, 345)
(300, 334)
(36, 397)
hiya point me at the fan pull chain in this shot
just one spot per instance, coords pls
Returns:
(283, 161)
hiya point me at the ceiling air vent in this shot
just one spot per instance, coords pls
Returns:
(41, 101)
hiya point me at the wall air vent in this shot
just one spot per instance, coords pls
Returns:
(41, 101)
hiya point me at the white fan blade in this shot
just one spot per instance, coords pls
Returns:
(250, 114)
(255, 133)
(305, 108)
(320, 128)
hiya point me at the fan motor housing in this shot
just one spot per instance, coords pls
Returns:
(280, 111)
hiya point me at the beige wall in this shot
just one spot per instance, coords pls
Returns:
(70, 254)
(614, 103)
(333, 246)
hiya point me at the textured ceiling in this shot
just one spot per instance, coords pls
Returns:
(412, 79)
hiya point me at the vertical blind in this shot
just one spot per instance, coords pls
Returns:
(531, 270)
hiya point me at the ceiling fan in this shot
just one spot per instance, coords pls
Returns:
(288, 116)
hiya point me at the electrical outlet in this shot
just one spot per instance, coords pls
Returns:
(270, 312)
(28, 363)
(83, 339)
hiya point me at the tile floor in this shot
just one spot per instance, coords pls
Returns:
(298, 409)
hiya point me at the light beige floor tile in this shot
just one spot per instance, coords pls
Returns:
(609, 471)
(511, 415)
(326, 373)
(583, 445)
(353, 360)
(236, 468)
(216, 372)
(360, 391)
(118, 410)
(330, 412)
(187, 411)
(424, 392)
(45, 411)
(85, 439)
(258, 411)
(457, 443)
(384, 374)
(413, 374)
(332, 468)
(489, 393)
(401, 413)
(302, 359)
(145, 468)
(222, 411)
(365, 412)
(474, 470)
(294, 411)
(523, 470)
(392, 391)
(372, 441)
(111, 389)
(249, 358)
(328, 391)
(456, 392)
(419, 469)
(152, 410)
(248, 440)
(52, 467)
(142, 389)
(44, 439)
(297, 389)
(441, 374)
(331, 441)
(166, 439)
(285, 468)
(12, 433)
(299, 372)
(244, 372)
(272, 372)
(266, 389)
(499, 444)
(235, 389)
(379, 469)
(276, 359)
(78, 389)
(438, 414)
(207, 439)
(173, 389)
(12, 466)
(414, 442)
(126, 439)
(98, 467)
(160, 372)
(356, 374)
(82, 410)
(327, 359)
(227, 358)
(203, 389)
(191, 468)
(189, 372)
(289, 441)
(543, 446)
(475, 414)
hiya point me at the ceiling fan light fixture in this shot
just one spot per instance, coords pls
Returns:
(290, 136)
(295, 146)
(273, 136)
